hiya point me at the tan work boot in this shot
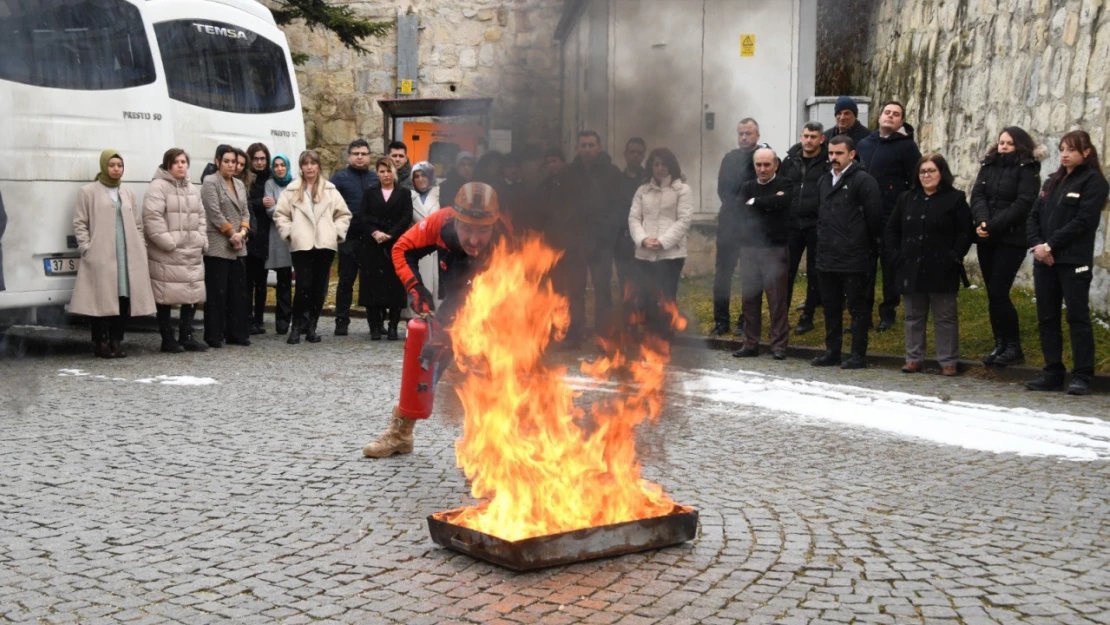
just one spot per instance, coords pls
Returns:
(397, 438)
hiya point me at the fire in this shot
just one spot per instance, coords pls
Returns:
(536, 467)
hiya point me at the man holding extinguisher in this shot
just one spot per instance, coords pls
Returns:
(462, 235)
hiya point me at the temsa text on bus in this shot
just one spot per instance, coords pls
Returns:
(220, 30)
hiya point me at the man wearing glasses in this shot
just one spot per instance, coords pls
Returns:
(351, 182)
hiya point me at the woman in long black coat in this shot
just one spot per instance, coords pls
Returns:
(927, 237)
(384, 215)
(1004, 192)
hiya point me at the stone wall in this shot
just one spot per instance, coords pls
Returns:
(467, 48)
(967, 68)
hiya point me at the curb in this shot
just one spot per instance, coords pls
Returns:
(1013, 375)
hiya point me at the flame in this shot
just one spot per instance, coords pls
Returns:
(531, 459)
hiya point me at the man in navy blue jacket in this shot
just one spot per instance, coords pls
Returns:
(890, 155)
(351, 182)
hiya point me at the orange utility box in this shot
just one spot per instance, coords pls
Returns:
(439, 144)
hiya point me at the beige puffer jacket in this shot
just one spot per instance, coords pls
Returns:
(305, 226)
(173, 219)
(663, 212)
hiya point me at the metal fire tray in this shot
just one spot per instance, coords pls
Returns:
(539, 552)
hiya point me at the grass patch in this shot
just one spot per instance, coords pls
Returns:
(695, 298)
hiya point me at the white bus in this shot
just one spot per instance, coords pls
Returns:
(138, 76)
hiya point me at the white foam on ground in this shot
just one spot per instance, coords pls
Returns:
(71, 373)
(177, 380)
(981, 427)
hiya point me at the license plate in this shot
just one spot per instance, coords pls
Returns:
(60, 266)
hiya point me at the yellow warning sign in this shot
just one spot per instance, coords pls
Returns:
(406, 87)
(747, 45)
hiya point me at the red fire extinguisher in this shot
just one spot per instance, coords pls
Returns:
(417, 372)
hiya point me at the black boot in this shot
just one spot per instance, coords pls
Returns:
(394, 321)
(828, 359)
(805, 324)
(719, 329)
(310, 334)
(1047, 381)
(1012, 356)
(999, 347)
(374, 317)
(294, 333)
(1080, 384)
(165, 328)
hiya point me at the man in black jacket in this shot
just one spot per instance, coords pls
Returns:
(351, 182)
(890, 155)
(849, 222)
(590, 191)
(847, 122)
(804, 166)
(764, 207)
(736, 169)
(634, 177)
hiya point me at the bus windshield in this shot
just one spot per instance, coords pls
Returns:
(224, 67)
(74, 44)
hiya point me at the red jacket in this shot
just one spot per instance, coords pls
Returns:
(437, 233)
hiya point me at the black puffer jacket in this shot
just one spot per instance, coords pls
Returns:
(1004, 192)
(1066, 216)
(928, 236)
(804, 173)
(850, 221)
(892, 160)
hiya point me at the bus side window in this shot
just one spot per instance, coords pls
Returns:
(88, 45)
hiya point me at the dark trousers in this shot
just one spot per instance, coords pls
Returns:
(313, 268)
(106, 329)
(624, 257)
(724, 266)
(765, 270)
(225, 310)
(804, 241)
(888, 310)
(836, 288)
(185, 325)
(1000, 264)
(344, 292)
(656, 286)
(256, 288)
(1054, 286)
(284, 292)
(598, 266)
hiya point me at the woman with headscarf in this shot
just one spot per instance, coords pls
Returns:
(425, 201)
(113, 281)
(224, 198)
(278, 257)
(173, 220)
(258, 243)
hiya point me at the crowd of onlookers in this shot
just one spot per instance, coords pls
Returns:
(860, 204)
(856, 204)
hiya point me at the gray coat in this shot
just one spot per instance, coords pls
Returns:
(279, 256)
(225, 214)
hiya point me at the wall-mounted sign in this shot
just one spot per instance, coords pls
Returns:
(406, 87)
(747, 45)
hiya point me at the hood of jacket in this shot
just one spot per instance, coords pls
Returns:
(161, 174)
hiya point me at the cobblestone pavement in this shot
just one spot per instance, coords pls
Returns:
(248, 500)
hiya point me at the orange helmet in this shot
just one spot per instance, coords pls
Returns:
(476, 203)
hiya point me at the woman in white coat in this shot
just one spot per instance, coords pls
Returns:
(313, 218)
(425, 201)
(659, 222)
